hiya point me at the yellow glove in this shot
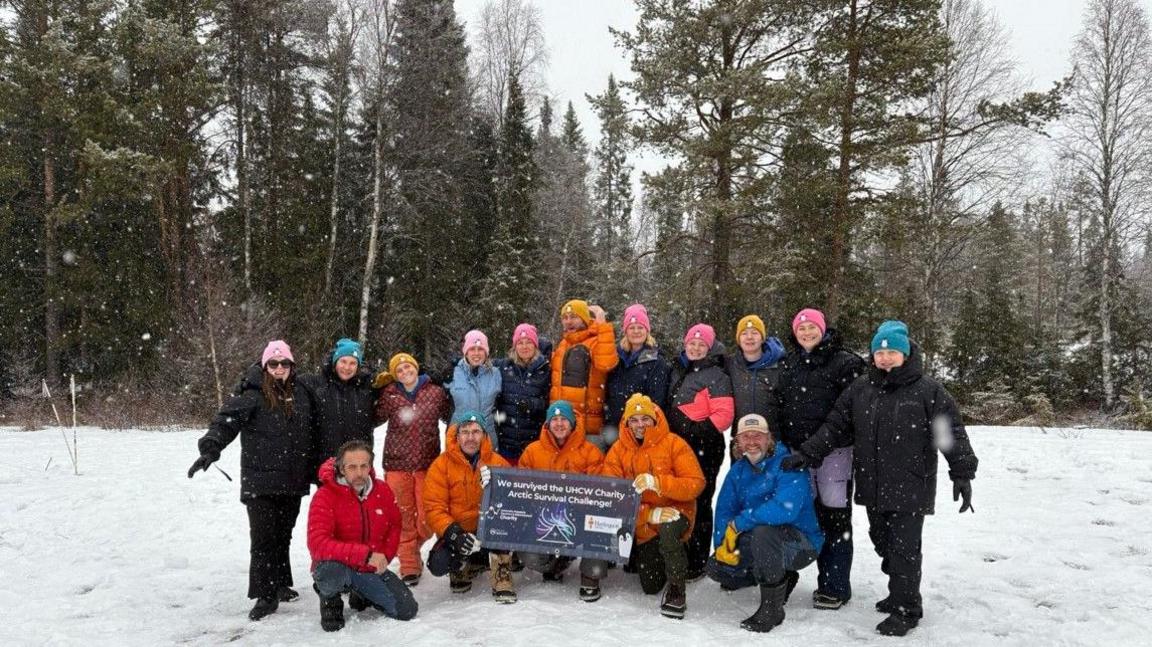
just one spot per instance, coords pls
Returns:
(727, 552)
(663, 515)
(382, 379)
(646, 482)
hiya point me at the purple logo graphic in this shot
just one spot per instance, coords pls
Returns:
(554, 525)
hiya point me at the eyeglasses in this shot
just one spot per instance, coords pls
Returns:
(277, 363)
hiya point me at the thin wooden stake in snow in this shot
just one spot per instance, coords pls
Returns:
(75, 449)
(48, 394)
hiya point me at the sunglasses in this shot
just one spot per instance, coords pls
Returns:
(277, 363)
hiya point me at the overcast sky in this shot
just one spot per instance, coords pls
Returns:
(582, 52)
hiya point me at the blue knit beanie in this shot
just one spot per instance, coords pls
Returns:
(892, 335)
(561, 408)
(348, 348)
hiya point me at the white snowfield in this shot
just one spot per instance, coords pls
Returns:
(131, 552)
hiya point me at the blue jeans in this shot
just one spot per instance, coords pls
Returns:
(384, 590)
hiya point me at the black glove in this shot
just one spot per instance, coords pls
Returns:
(795, 461)
(963, 488)
(203, 462)
(461, 542)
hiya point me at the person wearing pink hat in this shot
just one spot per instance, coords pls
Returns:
(700, 409)
(475, 383)
(815, 373)
(277, 420)
(525, 377)
(642, 369)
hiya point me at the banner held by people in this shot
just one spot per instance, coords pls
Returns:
(559, 513)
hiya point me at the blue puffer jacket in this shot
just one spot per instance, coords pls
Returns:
(765, 495)
(643, 371)
(522, 403)
(475, 389)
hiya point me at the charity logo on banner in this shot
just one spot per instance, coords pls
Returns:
(559, 513)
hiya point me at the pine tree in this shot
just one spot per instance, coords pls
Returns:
(612, 191)
(432, 297)
(511, 286)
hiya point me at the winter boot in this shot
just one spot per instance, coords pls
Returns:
(263, 607)
(771, 610)
(675, 601)
(286, 594)
(460, 581)
(502, 588)
(790, 580)
(589, 588)
(886, 605)
(821, 600)
(411, 579)
(897, 624)
(556, 568)
(358, 602)
(332, 613)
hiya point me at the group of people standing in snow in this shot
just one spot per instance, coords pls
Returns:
(810, 428)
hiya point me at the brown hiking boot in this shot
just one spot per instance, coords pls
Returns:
(502, 588)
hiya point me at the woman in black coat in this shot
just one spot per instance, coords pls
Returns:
(641, 369)
(526, 375)
(700, 409)
(345, 400)
(274, 416)
(813, 376)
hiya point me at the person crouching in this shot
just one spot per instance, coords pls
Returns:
(453, 490)
(766, 527)
(562, 447)
(668, 477)
(353, 533)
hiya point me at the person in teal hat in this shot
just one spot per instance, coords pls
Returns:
(896, 418)
(346, 400)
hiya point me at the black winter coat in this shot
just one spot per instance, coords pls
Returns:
(644, 371)
(276, 451)
(808, 387)
(522, 402)
(753, 386)
(346, 410)
(889, 419)
(687, 380)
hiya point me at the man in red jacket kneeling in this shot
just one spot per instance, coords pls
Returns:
(353, 533)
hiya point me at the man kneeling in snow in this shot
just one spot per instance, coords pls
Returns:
(353, 533)
(766, 528)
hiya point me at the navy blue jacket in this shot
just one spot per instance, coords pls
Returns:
(765, 495)
(753, 384)
(643, 371)
(522, 403)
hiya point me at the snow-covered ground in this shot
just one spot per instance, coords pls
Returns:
(131, 552)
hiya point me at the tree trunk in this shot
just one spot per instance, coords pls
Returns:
(51, 269)
(841, 216)
(374, 227)
(334, 208)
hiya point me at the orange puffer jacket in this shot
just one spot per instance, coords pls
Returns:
(580, 366)
(452, 491)
(577, 455)
(666, 456)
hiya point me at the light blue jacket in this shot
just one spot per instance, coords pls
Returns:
(475, 390)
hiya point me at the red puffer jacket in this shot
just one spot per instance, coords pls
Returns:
(344, 529)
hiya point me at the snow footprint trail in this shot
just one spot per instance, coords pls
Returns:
(133, 553)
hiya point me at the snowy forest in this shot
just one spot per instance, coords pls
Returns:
(181, 181)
